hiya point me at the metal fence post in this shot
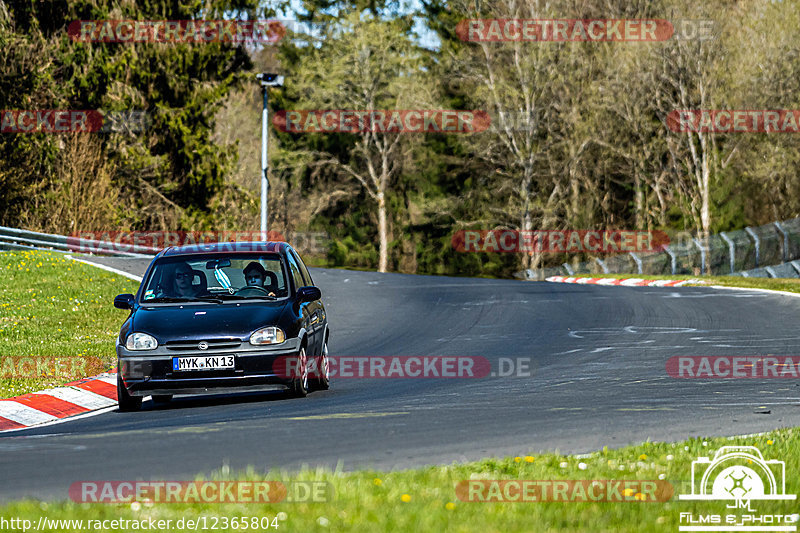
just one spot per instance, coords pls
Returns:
(602, 265)
(752, 233)
(702, 255)
(638, 262)
(785, 241)
(731, 249)
(673, 258)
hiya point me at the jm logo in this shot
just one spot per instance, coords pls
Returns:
(741, 504)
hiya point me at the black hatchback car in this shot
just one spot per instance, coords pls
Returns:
(222, 317)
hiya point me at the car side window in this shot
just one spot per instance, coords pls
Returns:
(296, 276)
(303, 269)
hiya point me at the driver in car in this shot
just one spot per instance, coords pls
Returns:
(255, 274)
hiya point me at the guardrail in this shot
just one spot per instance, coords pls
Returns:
(771, 250)
(20, 239)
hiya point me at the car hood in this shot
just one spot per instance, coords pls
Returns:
(210, 321)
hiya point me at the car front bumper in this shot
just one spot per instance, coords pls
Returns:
(151, 372)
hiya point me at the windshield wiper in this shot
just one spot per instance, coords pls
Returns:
(240, 297)
(207, 298)
(180, 299)
(165, 299)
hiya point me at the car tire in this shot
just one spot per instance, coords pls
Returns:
(323, 381)
(162, 398)
(299, 386)
(127, 403)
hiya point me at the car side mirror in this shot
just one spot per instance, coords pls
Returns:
(308, 294)
(123, 301)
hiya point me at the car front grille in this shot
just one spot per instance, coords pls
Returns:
(214, 345)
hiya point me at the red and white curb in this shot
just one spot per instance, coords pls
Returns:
(50, 405)
(625, 282)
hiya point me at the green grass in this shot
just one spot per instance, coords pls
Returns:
(775, 284)
(425, 499)
(55, 307)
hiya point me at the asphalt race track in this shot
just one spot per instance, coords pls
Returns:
(598, 356)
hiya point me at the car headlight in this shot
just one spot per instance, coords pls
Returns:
(141, 341)
(269, 335)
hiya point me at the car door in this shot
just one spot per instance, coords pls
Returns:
(306, 309)
(317, 308)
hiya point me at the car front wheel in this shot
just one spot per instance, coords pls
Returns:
(127, 402)
(299, 386)
(323, 370)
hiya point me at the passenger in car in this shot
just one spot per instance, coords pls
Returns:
(182, 284)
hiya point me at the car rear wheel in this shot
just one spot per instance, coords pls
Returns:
(299, 386)
(125, 400)
(323, 370)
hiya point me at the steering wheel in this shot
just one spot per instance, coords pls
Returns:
(255, 287)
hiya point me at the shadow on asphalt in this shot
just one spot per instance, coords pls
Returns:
(211, 400)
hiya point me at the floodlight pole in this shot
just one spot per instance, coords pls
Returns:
(267, 80)
(264, 161)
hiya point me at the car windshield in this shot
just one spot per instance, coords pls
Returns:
(216, 278)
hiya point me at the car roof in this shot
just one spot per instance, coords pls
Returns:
(242, 247)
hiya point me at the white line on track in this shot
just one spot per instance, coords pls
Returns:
(108, 268)
(768, 291)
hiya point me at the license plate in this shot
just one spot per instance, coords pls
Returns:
(206, 362)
